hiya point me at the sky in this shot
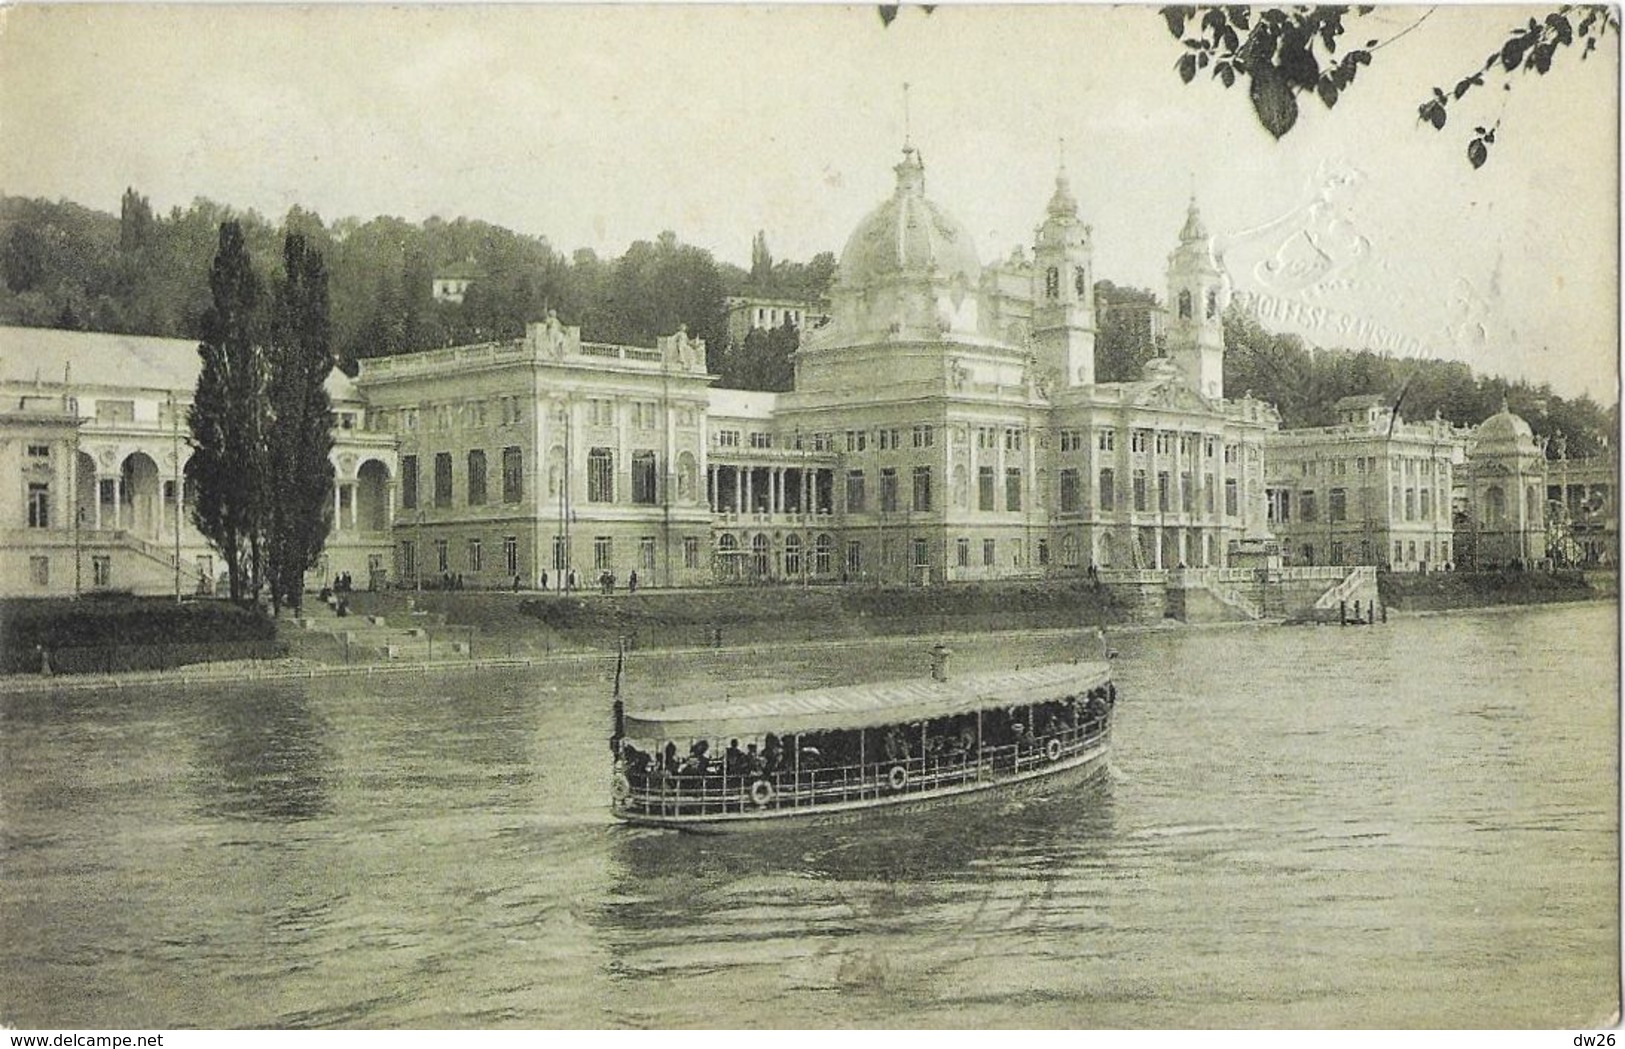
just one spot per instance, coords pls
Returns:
(596, 126)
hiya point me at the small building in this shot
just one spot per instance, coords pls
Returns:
(1372, 489)
(451, 284)
(1505, 482)
(748, 313)
(93, 428)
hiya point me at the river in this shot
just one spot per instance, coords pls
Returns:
(1404, 825)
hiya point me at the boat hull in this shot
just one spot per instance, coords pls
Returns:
(1073, 769)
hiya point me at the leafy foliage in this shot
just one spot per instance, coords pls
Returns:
(1281, 52)
(1531, 48)
(299, 511)
(228, 417)
(1287, 51)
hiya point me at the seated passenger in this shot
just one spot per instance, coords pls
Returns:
(669, 763)
(733, 762)
(755, 767)
(698, 763)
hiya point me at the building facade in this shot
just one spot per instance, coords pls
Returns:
(94, 437)
(1373, 489)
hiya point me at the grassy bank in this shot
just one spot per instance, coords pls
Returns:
(111, 634)
(1444, 590)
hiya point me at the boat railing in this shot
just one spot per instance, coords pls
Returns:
(695, 794)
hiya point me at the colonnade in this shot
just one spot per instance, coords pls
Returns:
(769, 489)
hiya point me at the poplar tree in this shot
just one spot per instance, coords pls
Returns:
(299, 472)
(227, 417)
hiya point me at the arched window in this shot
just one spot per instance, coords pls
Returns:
(1495, 506)
(1052, 283)
(1108, 489)
(1080, 282)
(1185, 305)
(761, 552)
(823, 551)
(792, 555)
(1212, 303)
(1069, 549)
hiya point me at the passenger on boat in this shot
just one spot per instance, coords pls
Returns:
(698, 763)
(733, 762)
(669, 763)
(772, 754)
(755, 767)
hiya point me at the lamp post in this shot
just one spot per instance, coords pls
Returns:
(418, 555)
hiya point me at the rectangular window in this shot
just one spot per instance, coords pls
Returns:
(1211, 487)
(922, 488)
(39, 506)
(442, 555)
(39, 451)
(1071, 440)
(1107, 440)
(559, 558)
(1187, 492)
(1069, 491)
(603, 552)
(600, 476)
(924, 436)
(409, 483)
(855, 494)
(101, 570)
(39, 570)
(857, 440)
(1232, 497)
(922, 553)
(510, 554)
(962, 553)
(1139, 490)
(984, 488)
(646, 552)
(476, 558)
(854, 558)
(691, 551)
(1164, 503)
(476, 478)
(643, 478)
(1012, 439)
(990, 552)
(1043, 552)
(1426, 496)
(759, 439)
(727, 438)
(1140, 441)
(600, 412)
(1164, 442)
(442, 480)
(513, 474)
(1337, 505)
(888, 490)
(1410, 504)
(1012, 488)
(1337, 552)
(1307, 509)
(1108, 489)
(888, 440)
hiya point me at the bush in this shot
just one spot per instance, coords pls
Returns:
(188, 631)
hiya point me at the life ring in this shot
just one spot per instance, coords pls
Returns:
(1053, 750)
(622, 787)
(898, 777)
(761, 792)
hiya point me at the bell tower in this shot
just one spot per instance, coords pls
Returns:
(1196, 302)
(1064, 291)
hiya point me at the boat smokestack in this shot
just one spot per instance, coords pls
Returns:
(939, 662)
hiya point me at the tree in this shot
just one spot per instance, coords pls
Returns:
(761, 260)
(299, 473)
(228, 415)
(1284, 52)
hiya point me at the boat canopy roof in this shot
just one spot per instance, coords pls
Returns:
(866, 706)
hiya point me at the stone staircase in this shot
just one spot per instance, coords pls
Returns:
(419, 637)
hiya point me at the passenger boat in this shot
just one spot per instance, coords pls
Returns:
(840, 754)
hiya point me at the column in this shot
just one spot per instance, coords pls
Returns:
(739, 489)
(338, 509)
(96, 503)
(1156, 543)
(118, 500)
(750, 487)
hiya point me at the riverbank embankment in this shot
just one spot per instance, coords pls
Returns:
(1444, 591)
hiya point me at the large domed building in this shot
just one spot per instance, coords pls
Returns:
(971, 438)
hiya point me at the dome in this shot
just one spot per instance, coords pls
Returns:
(909, 236)
(1504, 431)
